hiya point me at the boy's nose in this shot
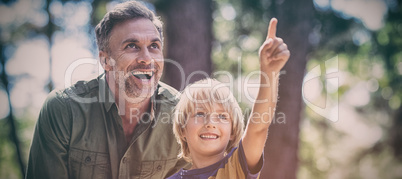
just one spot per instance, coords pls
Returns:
(210, 123)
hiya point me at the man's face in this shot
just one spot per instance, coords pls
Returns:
(135, 59)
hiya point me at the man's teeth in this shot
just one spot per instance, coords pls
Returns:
(209, 136)
(143, 73)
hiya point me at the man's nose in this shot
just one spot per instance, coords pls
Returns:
(144, 57)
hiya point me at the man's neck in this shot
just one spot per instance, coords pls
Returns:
(130, 110)
(133, 115)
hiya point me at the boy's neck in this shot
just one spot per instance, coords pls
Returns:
(201, 161)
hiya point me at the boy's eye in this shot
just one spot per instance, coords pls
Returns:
(222, 116)
(199, 114)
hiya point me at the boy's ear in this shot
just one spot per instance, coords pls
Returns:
(183, 136)
(232, 137)
(105, 61)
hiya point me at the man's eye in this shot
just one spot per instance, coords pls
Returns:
(155, 46)
(131, 46)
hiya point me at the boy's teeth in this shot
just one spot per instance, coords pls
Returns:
(209, 136)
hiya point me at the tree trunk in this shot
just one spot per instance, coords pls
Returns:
(281, 149)
(188, 35)
(13, 127)
(48, 31)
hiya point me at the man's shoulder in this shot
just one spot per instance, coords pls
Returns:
(84, 88)
(81, 91)
(168, 93)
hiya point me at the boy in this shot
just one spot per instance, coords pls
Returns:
(208, 122)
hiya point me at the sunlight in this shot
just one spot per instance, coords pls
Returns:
(358, 95)
(322, 4)
(228, 12)
(370, 12)
(22, 11)
(30, 56)
(66, 51)
(360, 37)
(361, 134)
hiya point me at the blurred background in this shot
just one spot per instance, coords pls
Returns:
(339, 113)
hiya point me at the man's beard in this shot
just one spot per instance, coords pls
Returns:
(133, 89)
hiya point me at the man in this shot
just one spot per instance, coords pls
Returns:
(119, 124)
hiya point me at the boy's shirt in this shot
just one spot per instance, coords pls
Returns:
(233, 166)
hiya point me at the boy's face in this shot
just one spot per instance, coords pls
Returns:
(208, 132)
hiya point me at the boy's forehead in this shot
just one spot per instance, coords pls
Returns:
(209, 106)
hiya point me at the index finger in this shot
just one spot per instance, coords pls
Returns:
(272, 28)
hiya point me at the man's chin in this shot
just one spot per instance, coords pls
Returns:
(142, 92)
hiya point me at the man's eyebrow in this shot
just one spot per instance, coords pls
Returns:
(130, 40)
(156, 40)
(134, 40)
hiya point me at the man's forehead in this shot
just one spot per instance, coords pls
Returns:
(136, 28)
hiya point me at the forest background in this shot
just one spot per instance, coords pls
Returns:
(339, 113)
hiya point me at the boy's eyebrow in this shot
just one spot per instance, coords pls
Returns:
(200, 107)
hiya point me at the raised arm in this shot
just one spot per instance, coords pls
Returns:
(273, 54)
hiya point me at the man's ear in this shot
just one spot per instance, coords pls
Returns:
(105, 61)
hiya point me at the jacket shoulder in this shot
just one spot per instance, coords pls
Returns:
(168, 93)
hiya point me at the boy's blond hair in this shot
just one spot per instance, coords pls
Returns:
(206, 93)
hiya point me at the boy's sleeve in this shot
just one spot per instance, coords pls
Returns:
(236, 166)
(48, 157)
(244, 166)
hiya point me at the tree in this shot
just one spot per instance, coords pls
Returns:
(188, 26)
(281, 150)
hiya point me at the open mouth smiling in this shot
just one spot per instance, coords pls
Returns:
(209, 136)
(143, 75)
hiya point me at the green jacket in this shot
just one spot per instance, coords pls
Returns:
(79, 134)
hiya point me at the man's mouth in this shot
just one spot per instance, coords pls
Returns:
(143, 75)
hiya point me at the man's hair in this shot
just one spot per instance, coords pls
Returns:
(122, 12)
(206, 93)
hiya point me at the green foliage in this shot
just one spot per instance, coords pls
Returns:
(365, 143)
(374, 65)
(8, 165)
